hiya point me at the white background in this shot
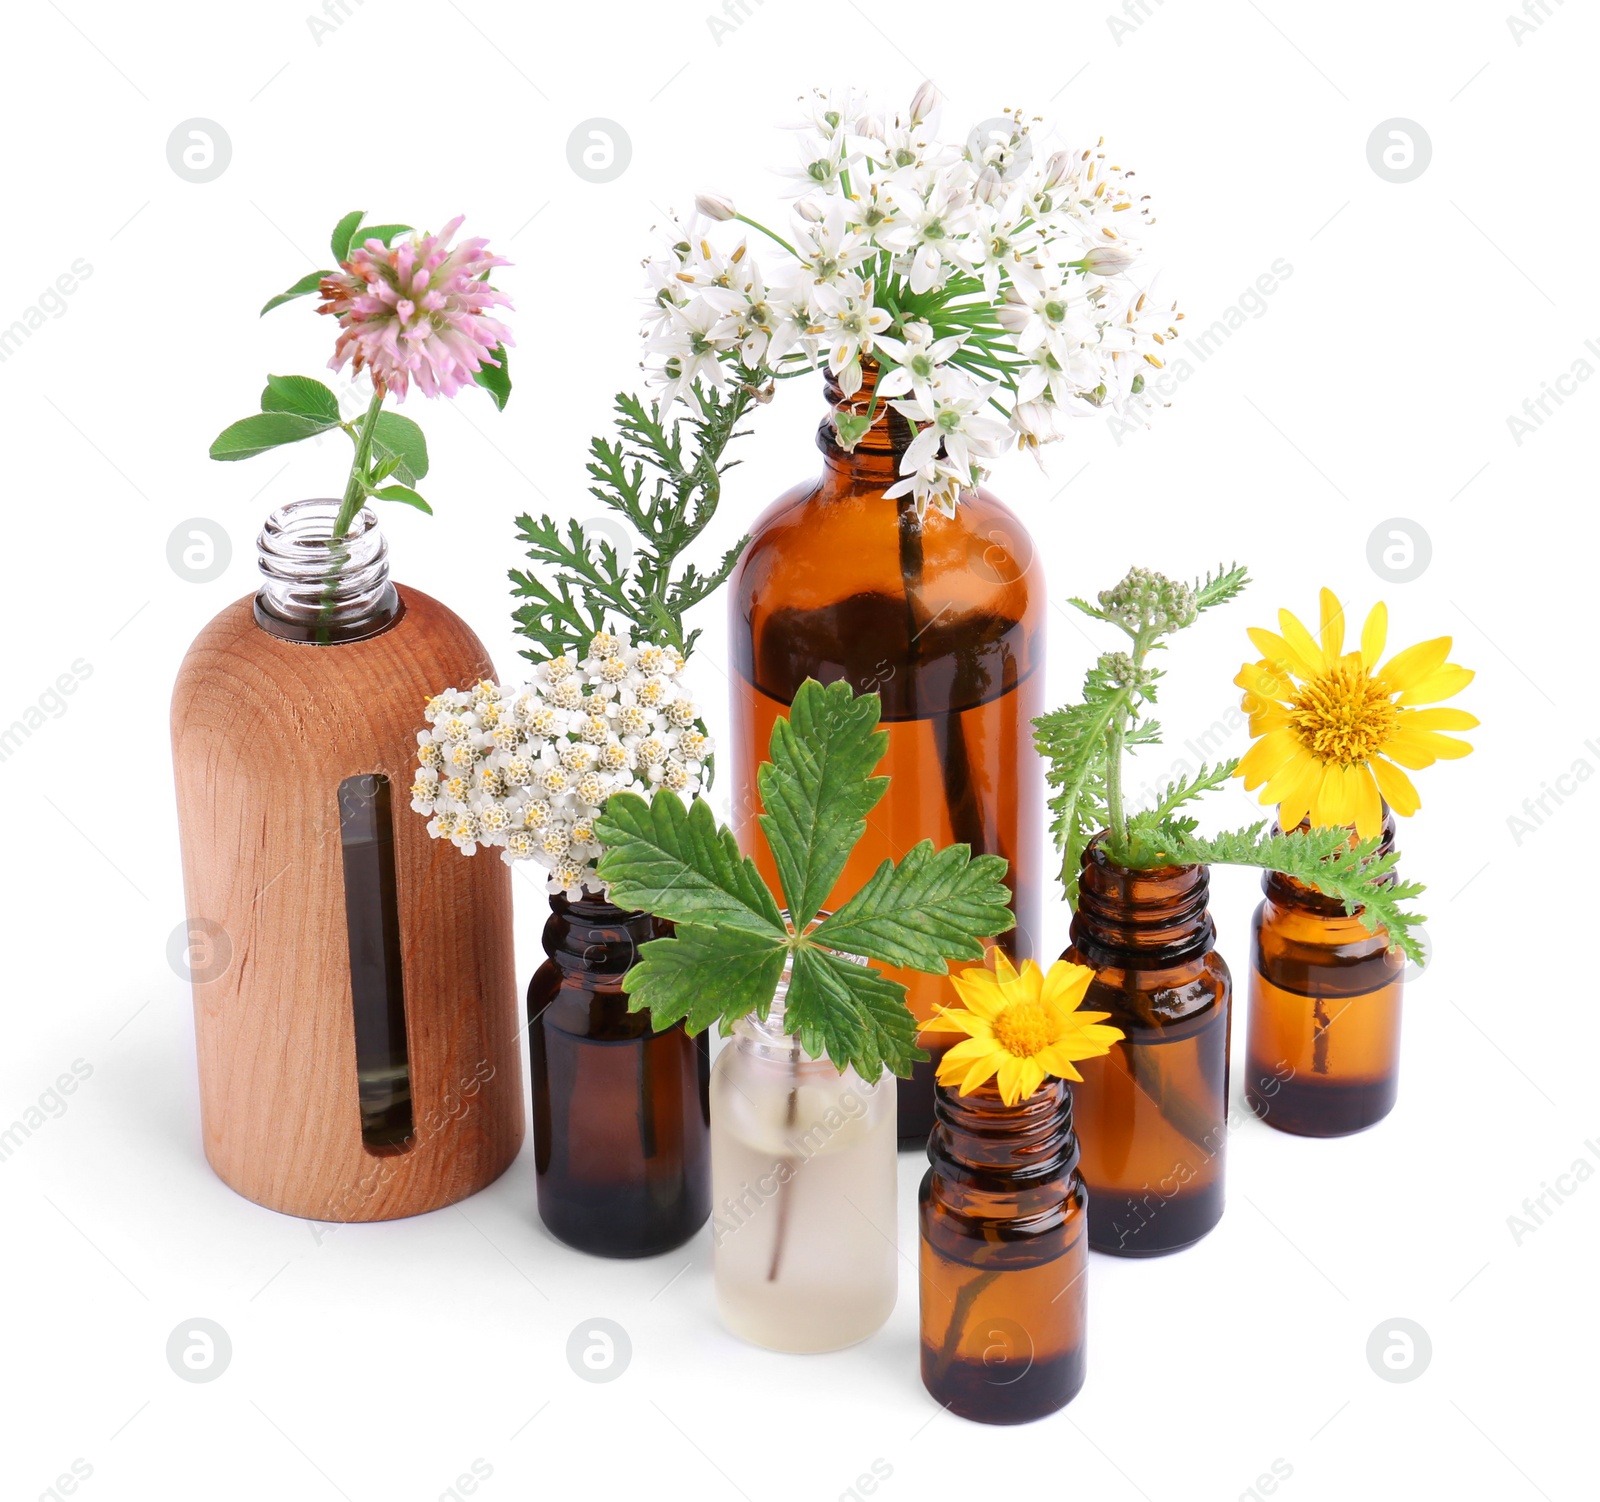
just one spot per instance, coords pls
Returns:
(1375, 383)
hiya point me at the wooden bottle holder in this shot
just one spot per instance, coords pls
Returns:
(263, 732)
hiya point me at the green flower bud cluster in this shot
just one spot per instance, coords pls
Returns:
(1124, 672)
(1148, 601)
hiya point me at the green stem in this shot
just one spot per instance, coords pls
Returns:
(355, 490)
(756, 224)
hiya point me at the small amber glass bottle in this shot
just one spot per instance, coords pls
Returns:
(1152, 1113)
(1004, 1255)
(942, 617)
(1323, 1052)
(621, 1112)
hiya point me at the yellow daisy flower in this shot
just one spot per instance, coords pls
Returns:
(1334, 729)
(1020, 1026)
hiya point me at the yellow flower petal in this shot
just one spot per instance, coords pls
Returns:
(1374, 633)
(1444, 747)
(1009, 1078)
(1398, 790)
(1332, 613)
(1290, 775)
(1407, 669)
(1301, 641)
(1281, 657)
(1266, 756)
(1066, 983)
(1369, 805)
(1004, 971)
(1444, 684)
(1439, 719)
(1334, 802)
(983, 1070)
(1295, 801)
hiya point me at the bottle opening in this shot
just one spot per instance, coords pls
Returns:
(377, 985)
(322, 589)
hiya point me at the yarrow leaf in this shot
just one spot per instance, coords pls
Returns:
(664, 492)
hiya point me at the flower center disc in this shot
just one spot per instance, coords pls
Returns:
(1343, 716)
(1023, 1029)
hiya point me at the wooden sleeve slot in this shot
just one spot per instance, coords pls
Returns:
(377, 985)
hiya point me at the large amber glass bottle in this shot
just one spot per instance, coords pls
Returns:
(621, 1112)
(1004, 1255)
(1152, 1113)
(1323, 1054)
(944, 620)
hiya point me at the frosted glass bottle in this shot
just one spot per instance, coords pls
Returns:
(803, 1193)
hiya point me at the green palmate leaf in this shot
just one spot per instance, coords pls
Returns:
(386, 233)
(300, 394)
(818, 789)
(404, 494)
(676, 863)
(302, 288)
(933, 906)
(266, 430)
(496, 379)
(704, 975)
(851, 1013)
(339, 244)
(398, 437)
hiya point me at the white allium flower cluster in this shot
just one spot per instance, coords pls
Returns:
(978, 273)
(528, 770)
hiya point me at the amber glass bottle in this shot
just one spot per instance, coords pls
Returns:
(621, 1112)
(944, 619)
(1152, 1113)
(1323, 1052)
(1004, 1255)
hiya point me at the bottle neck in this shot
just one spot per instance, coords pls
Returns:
(1287, 892)
(875, 460)
(594, 937)
(980, 1133)
(320, 589)
(1146, 919)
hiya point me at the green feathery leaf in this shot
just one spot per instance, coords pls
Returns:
(664, 490)
(1220, 587)
(818, 789)
(1354, 874)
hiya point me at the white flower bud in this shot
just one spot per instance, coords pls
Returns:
(1109, 259)
(1056, 169)
(924, 102)
(715, 206)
